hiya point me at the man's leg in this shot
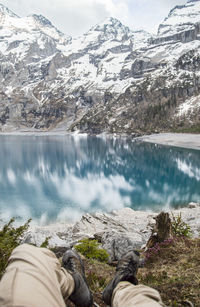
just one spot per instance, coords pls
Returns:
(33, 278)
(123, 289)
(129, 295)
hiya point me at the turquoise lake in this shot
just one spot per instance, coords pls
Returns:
(58, 178)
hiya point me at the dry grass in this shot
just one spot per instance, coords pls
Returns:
(98, 275)
(174, 271)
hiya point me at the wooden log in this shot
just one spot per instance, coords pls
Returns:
(161, 231)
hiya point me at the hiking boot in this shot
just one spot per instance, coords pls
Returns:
(81, 297)
(126, 270)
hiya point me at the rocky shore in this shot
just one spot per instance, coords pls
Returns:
(117, 230)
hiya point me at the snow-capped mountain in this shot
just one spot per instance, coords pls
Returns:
(181, 18)
(110, 79)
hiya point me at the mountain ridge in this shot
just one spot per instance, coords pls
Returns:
(5, 10)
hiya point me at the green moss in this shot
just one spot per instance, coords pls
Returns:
(91, 249)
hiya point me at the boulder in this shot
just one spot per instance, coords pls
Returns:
(117, 244)
(193, 205)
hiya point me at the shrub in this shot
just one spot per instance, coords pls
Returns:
(10, 238)
(45, 244)
(180, 228)
(91, 249)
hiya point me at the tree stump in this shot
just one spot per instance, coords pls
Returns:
(161, 231)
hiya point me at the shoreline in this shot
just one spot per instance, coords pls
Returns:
(127, 224)
(180, 140)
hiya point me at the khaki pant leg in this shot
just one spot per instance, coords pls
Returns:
(34, 278)
(128, 295)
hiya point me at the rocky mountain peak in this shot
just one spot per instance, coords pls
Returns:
(45, 25)
(108, 22)
(42, 20)
(5, 11)
(111, 28)
(192, 1)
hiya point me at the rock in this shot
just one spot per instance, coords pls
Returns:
(38, 238)
(132, 226)
(117, 244)
(118, 231)
(193, 205)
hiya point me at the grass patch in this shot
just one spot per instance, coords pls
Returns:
(98, 275)
(175, 272)
(91, 249)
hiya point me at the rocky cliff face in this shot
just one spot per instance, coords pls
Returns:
(111, 79)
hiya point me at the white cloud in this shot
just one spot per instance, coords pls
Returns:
(77, 16)
(188, 169)
(20, 212)
(86, 192)
(11, 176)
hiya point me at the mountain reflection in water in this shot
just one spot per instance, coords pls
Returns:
(58, 178)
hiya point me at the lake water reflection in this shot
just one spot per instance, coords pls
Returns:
(58, 178)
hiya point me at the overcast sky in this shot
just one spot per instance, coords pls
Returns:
(74, 17)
